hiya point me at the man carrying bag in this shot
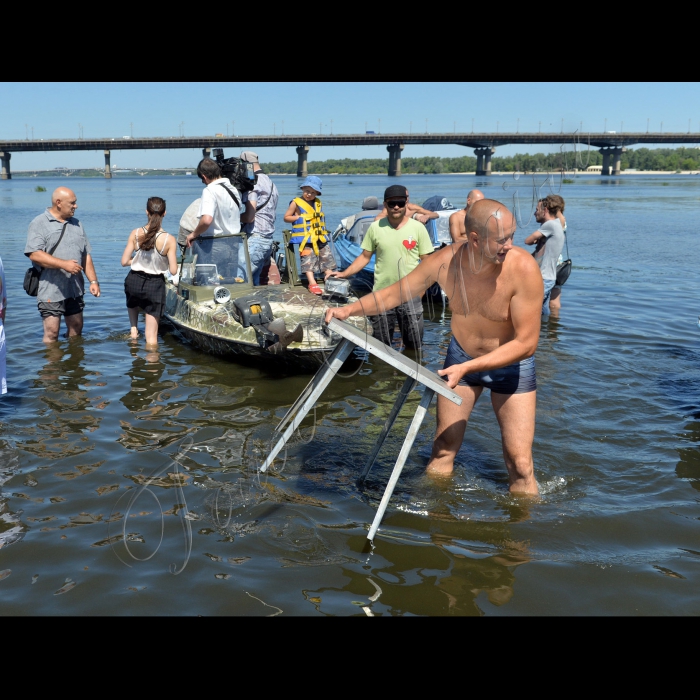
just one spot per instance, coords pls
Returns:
(60, 281)
(549, 240)
(33, 274)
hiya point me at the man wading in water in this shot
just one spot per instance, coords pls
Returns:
(495, 292)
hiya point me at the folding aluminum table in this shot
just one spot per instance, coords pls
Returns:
(415, 374)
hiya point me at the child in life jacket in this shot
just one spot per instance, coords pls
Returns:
(309, 231)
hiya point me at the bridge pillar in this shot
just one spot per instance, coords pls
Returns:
(395, 159)
(487, 160)
(617, 159)
(483, 160)
(6, 173)
(606, 161)
(108, 167)
(206, 152)
(302, 165)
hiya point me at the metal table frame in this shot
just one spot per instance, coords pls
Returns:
(415, 374)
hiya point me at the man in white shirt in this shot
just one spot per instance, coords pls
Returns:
(214, 240)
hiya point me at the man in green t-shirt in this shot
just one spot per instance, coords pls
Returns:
(400, 243)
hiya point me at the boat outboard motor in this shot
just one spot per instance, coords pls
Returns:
(272, 333)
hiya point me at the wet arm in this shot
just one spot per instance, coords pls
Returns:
(249, 215)
(290, 216)
(128, 251)
(172, 255)
(412, 286)
(204, 223)
(357, 264)
(41, 257)
(455, 229)
(414, 209)
(533, 238)
(92, 276)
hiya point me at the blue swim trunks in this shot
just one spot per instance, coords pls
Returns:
(518, 378)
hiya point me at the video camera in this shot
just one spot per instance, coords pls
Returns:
(239, 173)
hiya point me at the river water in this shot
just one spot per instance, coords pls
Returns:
(128, 478)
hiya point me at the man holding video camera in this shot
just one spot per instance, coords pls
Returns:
(214, 240)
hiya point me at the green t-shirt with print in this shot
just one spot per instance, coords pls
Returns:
(397, 251)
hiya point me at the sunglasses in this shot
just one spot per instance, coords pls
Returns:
(396, 203)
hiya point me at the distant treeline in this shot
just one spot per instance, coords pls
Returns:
(670, 159)
(640, 159)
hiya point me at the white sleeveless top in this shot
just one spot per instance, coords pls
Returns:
(153, 261)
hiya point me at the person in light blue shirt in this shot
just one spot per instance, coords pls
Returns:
(259, 219)
(549, 241)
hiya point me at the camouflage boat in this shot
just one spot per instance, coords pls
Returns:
(213, 304)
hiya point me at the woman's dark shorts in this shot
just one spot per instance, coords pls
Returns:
(518, 378)
(65, 307)
(144, 291)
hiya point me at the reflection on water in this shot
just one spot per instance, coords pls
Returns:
(68, 412)
(121, 467)
(146, 372)
(403, 577)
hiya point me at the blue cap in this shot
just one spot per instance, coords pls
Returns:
(313, 181)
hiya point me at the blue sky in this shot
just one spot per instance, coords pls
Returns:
(61, 110)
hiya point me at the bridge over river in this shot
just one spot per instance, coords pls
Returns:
(611, 144)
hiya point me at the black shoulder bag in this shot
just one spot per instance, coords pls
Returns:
(32, 275)
(564, 268)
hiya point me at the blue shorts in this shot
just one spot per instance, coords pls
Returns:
(548, 287)
(260, 251)
(518, 378)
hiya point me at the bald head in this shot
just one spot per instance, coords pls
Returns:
(487, 216)
(474, 196)
(61, 193)
(63, 203)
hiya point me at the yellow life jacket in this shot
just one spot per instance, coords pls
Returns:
(310, 226)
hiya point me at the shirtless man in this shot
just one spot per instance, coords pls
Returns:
(413, 211)
(495, 292)
(457, 229)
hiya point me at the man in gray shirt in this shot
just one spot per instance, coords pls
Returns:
(61, 286)
(549, 240)
(259, 219)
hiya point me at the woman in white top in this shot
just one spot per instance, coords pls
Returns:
(154, 251)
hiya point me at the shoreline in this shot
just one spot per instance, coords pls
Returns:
(566, 173)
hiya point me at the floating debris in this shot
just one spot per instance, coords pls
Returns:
(69, 585)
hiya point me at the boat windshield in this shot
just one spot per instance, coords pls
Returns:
(217, 260)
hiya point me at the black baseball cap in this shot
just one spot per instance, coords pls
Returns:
(395, 191)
